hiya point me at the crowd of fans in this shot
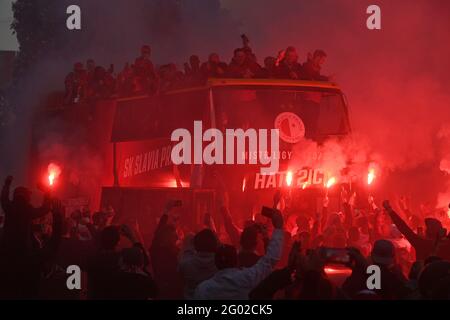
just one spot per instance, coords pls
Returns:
(142, 77)
(278, 255)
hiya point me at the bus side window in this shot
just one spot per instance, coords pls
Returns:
(332, 119)
(182, 109)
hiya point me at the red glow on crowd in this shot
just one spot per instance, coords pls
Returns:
(335, 270)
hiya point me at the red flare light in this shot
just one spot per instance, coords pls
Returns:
(289, 176)
(371, 176)
(331, 182)
(53, 173)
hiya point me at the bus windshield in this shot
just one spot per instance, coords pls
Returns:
(319, 112)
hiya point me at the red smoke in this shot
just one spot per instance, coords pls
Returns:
(396, 79)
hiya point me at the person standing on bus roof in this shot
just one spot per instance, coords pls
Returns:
(313, 66)
(145, 71)
(288, 67)
(239, 66)
(214, 68)
(269, 70)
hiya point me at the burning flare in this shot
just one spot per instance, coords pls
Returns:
(289, 178)
(330, 182)
(53, 173)
(371, 176)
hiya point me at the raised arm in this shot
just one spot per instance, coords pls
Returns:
(232, 230)
(409, 234)
(165, 216)
(251, 277)
(43, 209)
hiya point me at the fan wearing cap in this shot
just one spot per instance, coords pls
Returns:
(19, 215)
(424, 247)
(393, 282)
(233, 283)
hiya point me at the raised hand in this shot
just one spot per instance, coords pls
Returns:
(352, 199)
(403, 203)
(276, 199)
(387, 205)
(344, 195)
(126, 231)
(277, 220)
(326, 201)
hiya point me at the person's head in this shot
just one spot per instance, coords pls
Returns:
(385, 230)
(205, 241)
(433, 228)
(99, 72)
(239, 56)
(226, 257)
(100, 219)
(319, 58)
(194, 61)
(383, 253)
(269, 62)
(109, 237)
(353, 234)
(146, 51)
(90, 64)
(132, 258)
(78, 67)
(431, 277)
(249, 238)
(363, 224)
(305, 239)
(22, 195)
(415, 270)
(291, 55)
(214, 58)
(303, 223)
(335, 219)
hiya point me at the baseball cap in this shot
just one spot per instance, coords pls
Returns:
(383, 252)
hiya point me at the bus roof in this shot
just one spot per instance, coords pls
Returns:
(227, 82)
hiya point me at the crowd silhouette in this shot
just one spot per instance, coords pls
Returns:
(277, 255)
(90, 81)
